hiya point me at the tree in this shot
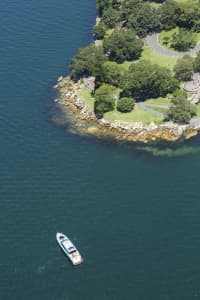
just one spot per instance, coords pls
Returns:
(102, 5)
(99, 30)
(197, 62)
(125, 104)
(183, 40)
(169, 14)
(184, 68)
(87, 61)
(122, 45)
(110, 17)
(189, 15)
(181, 110)
(104, 100)
(145, 80)
(111, 73)
(144, 19)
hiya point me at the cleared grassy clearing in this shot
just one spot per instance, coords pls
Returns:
(150, 55)
(164, 61)
(161, 110)
(137, 115)
(159, 101)
(186, 1)
(87, 98)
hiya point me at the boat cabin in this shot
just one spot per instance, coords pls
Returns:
(68, 246)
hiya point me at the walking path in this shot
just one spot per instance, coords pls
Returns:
(157, 105)
(143, 106)
(152, 41)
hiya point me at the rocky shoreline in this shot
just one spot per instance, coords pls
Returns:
(70, 99)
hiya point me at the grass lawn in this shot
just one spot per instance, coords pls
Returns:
(161, 110)
(186, 1)
(155, 4)
(159, 101)
(126, 64)
(137, 115)
(166, 33)
(150, 55)
(87, 98)
(164, 61)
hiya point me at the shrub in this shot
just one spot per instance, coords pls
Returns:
(104, 100)
(181, 110)
(125, 104)
(122, 45)
(183, 40)
(99, 30)
(184, 68)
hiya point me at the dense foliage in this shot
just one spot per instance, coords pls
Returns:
(104, 100)
(197, 63)
(145, 80)
(99, 30)
(122, 45)
(120, 29)
(181, 110)
(125, 104)
(184, 68)
(87, 61)
(111, 73)
(183, 40)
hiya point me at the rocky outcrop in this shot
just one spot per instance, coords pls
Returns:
(70, 96)
(134, 132)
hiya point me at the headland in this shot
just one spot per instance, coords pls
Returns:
(136, 83)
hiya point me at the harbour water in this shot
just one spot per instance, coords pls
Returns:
(134, 216)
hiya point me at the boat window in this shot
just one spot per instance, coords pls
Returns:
(71, 249)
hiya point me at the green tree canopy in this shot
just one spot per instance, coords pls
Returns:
(99, 30)
(104, 99)
(189, 14)
(197, 62)
(87, 61)
(111, 73)
(122, 45)
(181, 110)
(144, 80)
(169, 14)
(103, 5)
(125, 104)
(111, 17)
(183, 40)
(184, 68)
(144, 19)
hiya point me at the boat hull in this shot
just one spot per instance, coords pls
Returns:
(69, 249)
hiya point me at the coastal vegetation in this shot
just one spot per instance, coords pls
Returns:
(130, 78)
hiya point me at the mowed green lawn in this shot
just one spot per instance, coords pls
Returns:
(150, 55)
(87, 98)
(137, 115)
(161, 60)
(159, 101)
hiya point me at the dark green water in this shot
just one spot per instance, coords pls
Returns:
(135, 217)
